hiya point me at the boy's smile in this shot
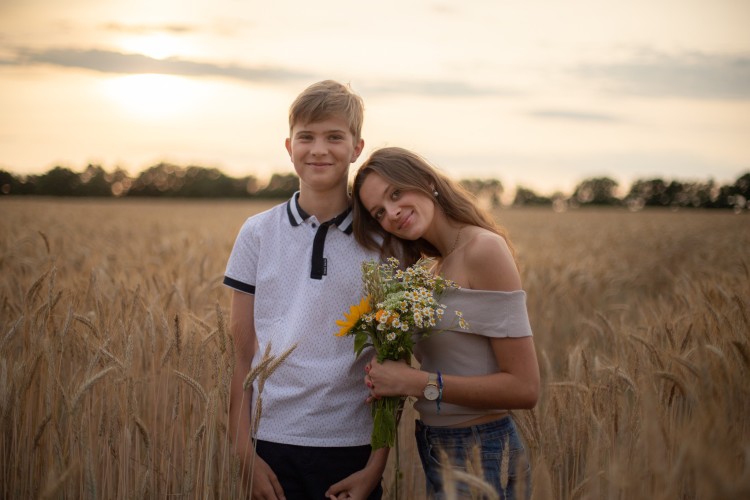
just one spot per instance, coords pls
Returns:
(322, 152)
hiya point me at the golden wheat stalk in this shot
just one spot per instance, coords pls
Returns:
(177, 335)
(88, 323)
(269, 364)
(8, 336)
(46, 241)
(687, 364)
(486, 490)
(52, 489)
(221, 326)
(34, 288)
(194, 384)
(677, 381)
(40, 430)
(88, 384)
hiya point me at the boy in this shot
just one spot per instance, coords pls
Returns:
(294, 270)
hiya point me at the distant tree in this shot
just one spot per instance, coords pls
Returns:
(527, 197)
(199, 182)
(694, 194)
(739, 193)
(596, 191)
(674, 193)
(742, 185)
(8, 183)
(489, 191)
(650, 193)
(734, 196)
(213, 183)
(120, 182)
(94, 182)
(725, 198)
(280, 186)
(191, 182)
(247, 185)
(560, 201)
(60, 181)
(23, 185)
(159, 180)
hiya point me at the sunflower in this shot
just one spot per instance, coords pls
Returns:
(355, 313)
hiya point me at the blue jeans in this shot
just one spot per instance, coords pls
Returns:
(504, 463)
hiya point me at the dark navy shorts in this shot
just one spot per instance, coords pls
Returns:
(306, 472)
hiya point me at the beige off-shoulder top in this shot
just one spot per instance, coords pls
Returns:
(467, 352)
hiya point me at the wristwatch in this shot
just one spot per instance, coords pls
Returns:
(431, 390)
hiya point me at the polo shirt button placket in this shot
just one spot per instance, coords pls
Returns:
(319, 265)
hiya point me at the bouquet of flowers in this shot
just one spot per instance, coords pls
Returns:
(397, 305)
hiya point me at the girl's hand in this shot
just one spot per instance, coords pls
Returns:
(392, 378)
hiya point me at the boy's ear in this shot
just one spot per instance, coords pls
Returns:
(358, 149)
(288, 144)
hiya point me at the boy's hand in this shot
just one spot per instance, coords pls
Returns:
(265, 484)
(357, 486)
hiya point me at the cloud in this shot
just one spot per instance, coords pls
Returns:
(580, 116)
(221, 27)
(693, 75)
(116, 62)
(434, 88)
(107, 61)
(177, 29)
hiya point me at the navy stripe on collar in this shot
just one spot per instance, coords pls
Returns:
(297, 215)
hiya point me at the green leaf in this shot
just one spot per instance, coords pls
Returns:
(384, 422)
(360, 342)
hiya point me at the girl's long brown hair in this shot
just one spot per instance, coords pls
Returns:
(407, 170)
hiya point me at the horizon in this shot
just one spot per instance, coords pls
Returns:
(620, 191)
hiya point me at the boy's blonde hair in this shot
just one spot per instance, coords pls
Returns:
(323, 100)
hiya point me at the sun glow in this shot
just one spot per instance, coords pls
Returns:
(154, 96)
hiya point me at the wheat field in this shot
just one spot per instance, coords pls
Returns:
(115, 359)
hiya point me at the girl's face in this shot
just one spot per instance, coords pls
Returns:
(407, 214)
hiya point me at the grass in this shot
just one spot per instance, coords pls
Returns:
(115, 361)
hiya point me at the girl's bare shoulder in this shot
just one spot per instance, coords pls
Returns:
(489, 262)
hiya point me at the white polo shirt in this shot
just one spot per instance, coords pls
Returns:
(304, 276)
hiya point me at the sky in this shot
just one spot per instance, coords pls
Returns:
(536, 93)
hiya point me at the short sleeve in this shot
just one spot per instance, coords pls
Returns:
(488, 313)
(241, 270)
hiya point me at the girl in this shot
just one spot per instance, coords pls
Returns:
(468, 378)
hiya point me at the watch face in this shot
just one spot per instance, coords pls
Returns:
(431, 392)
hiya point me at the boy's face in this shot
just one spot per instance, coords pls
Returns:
(322, 152)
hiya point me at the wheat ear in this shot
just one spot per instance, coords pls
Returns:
(86, 386)
(194, 384)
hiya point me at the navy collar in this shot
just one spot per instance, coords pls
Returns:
(297, 216)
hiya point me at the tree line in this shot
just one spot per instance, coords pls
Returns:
(173, 181)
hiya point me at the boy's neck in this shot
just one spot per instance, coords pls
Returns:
(324, 205)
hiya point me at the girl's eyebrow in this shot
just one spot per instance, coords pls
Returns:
(385, 193)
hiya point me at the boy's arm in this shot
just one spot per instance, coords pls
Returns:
(257, 472)
(360, 484)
